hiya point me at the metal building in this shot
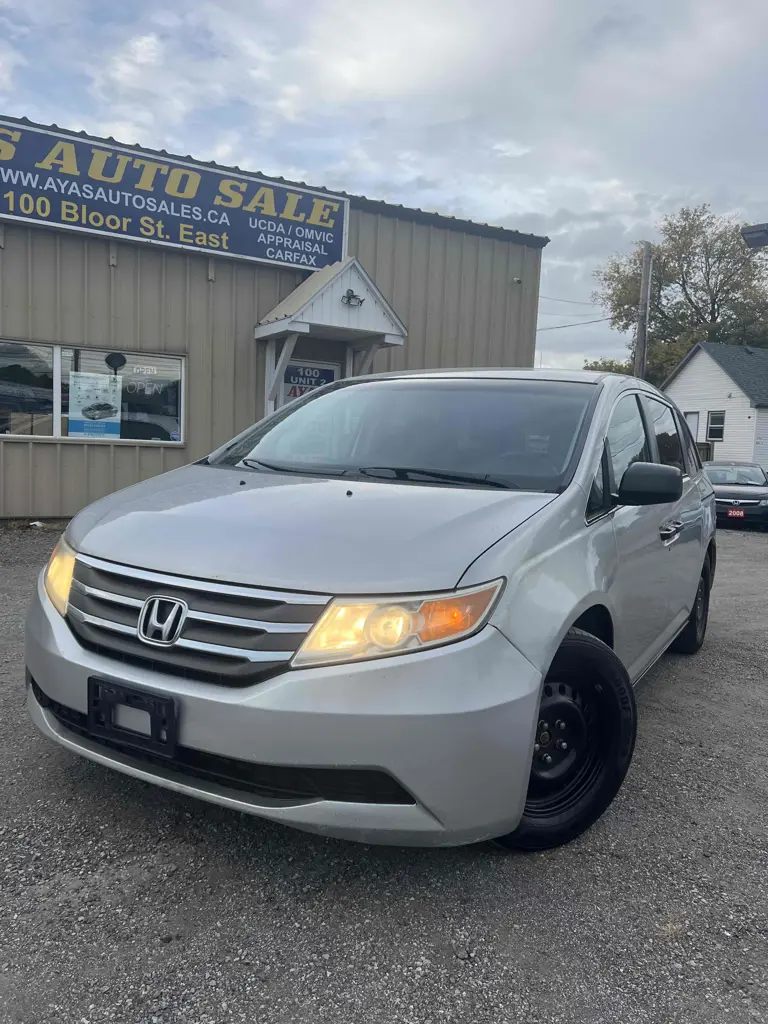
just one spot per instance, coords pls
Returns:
(130, 345)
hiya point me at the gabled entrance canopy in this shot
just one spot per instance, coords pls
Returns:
(339, 304)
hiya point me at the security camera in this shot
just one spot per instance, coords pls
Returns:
(517, 280)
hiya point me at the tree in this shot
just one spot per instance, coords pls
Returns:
(706, 286)
(605, 365)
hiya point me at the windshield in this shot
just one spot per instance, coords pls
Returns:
(515, 433)
(749, 476)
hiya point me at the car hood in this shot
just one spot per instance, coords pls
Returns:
(301, 533)
(740, 492)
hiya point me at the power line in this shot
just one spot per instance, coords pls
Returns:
(572, 302)
(547, 312)
(582, 323)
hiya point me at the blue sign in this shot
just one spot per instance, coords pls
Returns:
(59, 180)
(302, 377)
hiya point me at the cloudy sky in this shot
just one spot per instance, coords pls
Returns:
(581, 119)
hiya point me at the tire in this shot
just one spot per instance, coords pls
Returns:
(692, 637)
(587, 697)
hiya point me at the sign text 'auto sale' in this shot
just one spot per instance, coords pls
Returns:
(63, 181)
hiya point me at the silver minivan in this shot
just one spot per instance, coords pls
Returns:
(407, 609)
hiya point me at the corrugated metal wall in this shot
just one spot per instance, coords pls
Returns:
(455, 292)
(60, 287)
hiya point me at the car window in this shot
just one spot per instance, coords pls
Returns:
(746, 476)
(627, 442)
(599, 493)
(664, 426)
(524, 433)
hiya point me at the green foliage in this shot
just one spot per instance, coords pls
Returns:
(706, 286)
(609, 365)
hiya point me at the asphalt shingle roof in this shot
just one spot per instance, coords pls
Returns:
(746, 366)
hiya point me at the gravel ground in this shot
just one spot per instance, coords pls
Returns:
(124, 902)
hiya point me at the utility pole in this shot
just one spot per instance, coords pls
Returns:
(641, 338)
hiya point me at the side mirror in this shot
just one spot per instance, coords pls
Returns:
(648, 483)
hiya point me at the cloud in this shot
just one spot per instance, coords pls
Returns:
(10, 60)
(585, 121)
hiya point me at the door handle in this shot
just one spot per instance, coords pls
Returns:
(670, 530)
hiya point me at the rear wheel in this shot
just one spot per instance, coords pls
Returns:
(583, 747)
(692, 637)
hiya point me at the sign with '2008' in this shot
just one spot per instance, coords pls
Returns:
(64, 181)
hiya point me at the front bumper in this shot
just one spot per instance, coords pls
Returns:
(454, 726)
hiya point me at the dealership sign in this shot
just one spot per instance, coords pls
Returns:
(64, 181)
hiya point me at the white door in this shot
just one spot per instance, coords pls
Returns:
(761, 438)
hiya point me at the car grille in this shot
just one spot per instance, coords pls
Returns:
(232, 635)
(737, 502)
(268, 781)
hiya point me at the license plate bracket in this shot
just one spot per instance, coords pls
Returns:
(106, 697)
(735, 513)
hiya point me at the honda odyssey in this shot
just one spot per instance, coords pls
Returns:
(407, 609)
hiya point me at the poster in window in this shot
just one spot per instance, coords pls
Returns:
(94, 404)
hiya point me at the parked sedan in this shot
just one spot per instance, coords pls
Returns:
(741, 492)
(405, 609)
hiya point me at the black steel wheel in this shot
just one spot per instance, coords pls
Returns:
(583, 744)
(692, 637)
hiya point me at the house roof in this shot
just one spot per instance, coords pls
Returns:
(745, 365)
(363, 203)
(305, 303)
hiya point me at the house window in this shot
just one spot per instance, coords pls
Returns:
(715, 426)
(56, 391)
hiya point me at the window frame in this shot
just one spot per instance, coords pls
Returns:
(650, 433)
(57, 436)
(710, 414)
(605, 467)
(650, 439)
(608, 505)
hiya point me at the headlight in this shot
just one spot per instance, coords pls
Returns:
(764, 501)
(352, 630)
(58, 576)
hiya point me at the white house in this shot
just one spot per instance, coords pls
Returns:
(722, 390)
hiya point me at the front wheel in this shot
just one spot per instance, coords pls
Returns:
(583, 746)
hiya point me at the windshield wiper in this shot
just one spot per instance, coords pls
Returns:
(413, 473)
(313, 471)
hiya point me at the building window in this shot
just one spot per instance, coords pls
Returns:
(26, 389)
(85, 393)
(715, 426)
(120, 395)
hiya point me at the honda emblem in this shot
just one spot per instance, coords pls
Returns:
(161, 621)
